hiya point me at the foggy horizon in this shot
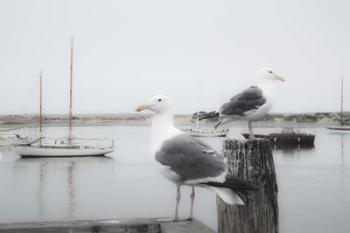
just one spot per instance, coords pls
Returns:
(128, 51)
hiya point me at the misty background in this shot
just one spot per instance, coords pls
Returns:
(199, 52)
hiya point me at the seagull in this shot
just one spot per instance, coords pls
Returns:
(185, 160)
(251, 104)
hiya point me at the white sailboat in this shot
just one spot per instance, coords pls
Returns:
(70, 146)
(17, 136)
(342, 126)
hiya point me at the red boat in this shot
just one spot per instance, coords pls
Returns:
(287, 138)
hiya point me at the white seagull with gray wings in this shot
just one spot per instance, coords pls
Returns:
(251, 104)
(186, 160)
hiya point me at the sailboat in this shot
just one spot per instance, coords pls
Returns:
(342, 126)
(69, 146)
(203, 132)
(16, 136)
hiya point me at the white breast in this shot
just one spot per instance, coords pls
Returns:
(162, 130)
(158, 137)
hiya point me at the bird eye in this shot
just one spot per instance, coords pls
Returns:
(270, 71)
(159, 100)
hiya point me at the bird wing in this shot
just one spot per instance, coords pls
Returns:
(249, 99)
(191, 158)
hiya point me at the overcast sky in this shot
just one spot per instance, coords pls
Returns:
(198, 52)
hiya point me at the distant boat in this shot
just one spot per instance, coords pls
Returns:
(202, 132)
(65, 147)
(13, 136)
(288, 137)
(198, 132)
(342, 126)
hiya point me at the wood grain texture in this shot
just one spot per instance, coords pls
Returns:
(252, 161)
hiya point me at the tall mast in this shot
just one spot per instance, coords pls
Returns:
(341, 103)
(41, 104)
(71, 88)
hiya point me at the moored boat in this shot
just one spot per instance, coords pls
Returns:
(200, 132)
(288, 137)
(56, 147)
(70, 146)
(16, 136)
(342, 126)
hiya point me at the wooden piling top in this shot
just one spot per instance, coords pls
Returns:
(251, 160)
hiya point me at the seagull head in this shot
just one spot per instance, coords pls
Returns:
(266, 74)
(157, 104)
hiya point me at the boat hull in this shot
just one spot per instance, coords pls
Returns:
(287, 139)
(339, 128)
(196, 132)
(36, 151)
(208, 134)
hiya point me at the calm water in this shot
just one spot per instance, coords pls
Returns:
(314, 184)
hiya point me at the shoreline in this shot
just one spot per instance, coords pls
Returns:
(140, 119)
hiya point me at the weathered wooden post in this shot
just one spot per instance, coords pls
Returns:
(251, 160)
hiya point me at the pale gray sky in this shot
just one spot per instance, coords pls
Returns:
(198, 52)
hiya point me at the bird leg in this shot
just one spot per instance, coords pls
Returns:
(222, 121)
(218, 124)
(192, 202)
(178, 197)
(251, 134)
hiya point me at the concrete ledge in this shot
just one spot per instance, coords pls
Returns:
(155, 225)
(185, 227)
(87, 226)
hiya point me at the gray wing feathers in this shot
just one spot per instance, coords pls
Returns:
(190, 158)
(251, 98)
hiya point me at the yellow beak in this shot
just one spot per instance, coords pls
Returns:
(280, 78)
(142, 107)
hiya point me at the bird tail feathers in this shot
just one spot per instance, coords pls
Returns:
(227, 195)
(235, 184)
(233, 190)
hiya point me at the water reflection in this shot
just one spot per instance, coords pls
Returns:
(292, 148)
(71, 201)
(291, 153)
(57, 183)
(342, 136)
(342, 149)
(41, 188)
(343, 166)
